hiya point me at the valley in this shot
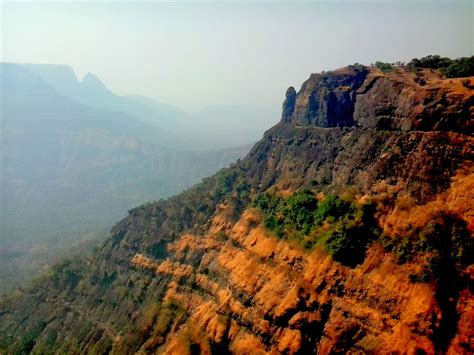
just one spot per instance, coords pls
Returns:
(70, 169)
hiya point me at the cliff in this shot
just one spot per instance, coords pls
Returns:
(324, 239)
(369, 98)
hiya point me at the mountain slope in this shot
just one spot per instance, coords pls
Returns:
(324, 239)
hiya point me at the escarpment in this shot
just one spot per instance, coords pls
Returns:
(257, 258)
(325, 100)
(356, 96)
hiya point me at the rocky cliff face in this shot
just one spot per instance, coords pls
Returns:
(399, 100)
(205, 272)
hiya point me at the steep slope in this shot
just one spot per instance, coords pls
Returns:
(375, 256)
(69, 171)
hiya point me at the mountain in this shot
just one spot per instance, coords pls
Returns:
(213, 127)
(93, 93)
(69, 171)
(346, 229)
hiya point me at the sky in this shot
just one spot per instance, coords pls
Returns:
(195, 54)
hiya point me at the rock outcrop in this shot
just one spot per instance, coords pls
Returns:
(202, 272)
(399, 100)
(288, 104)
(325, 100)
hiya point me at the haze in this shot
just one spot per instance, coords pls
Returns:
(195, 55)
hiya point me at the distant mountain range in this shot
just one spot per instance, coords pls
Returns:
(212, 127)
(75, 156)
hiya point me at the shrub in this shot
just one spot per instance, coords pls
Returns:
(385, 67)
(461, 67)
(68, 272)
(357, 67)
(430, 61)
(452, 68)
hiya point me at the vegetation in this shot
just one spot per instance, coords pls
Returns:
(158, 321)
(419, 80)
(342, 227)
(357, 67)
(460, 68)
(444, 240)
(68, 272)
(385, 67)
(27, 341)
(108, 304)
(452, 68)
(430, 61)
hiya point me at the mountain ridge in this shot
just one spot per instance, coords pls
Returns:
(92, 92)
(181, 130)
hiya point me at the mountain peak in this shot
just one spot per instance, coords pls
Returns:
(91, 80)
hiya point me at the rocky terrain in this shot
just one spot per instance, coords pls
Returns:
(346, 229)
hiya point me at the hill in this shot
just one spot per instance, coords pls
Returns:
(346, 229)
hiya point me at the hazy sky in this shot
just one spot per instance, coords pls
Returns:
(242, 53)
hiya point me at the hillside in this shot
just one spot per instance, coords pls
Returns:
(346, 229)
(69, 171)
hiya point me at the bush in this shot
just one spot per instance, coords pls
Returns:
(385, 67)
(68, 272)
(430, 61)
(461, 67)
(359, 68)
(452, 68)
